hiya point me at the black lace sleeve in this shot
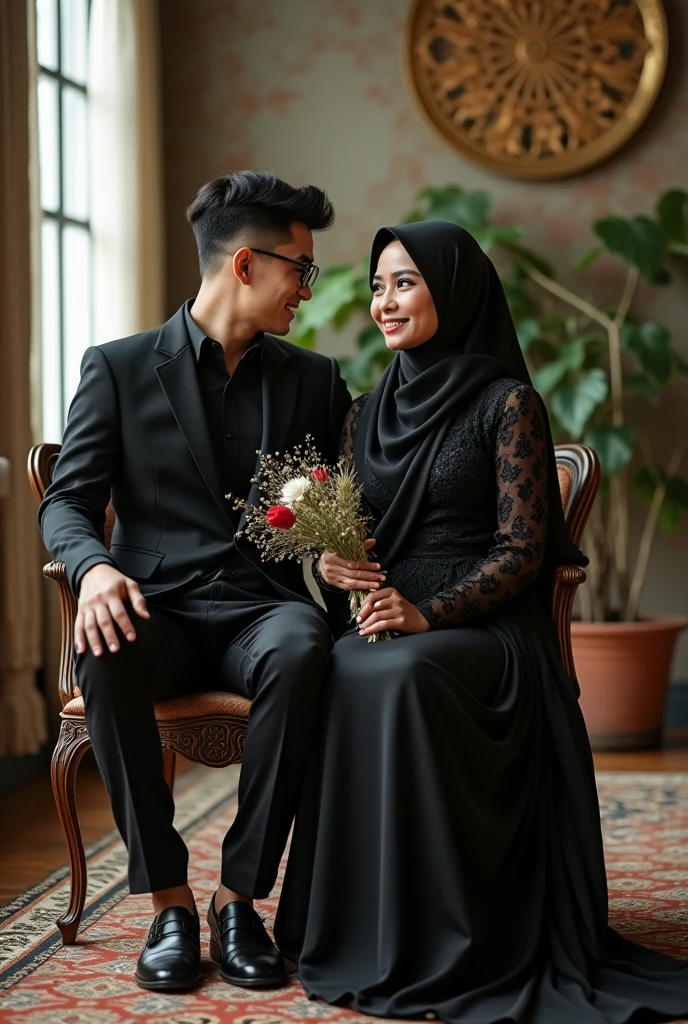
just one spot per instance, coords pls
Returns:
(516, 556)
(346, 448)
(346, 443)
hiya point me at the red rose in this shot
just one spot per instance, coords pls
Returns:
(321, 475)
(281, 517)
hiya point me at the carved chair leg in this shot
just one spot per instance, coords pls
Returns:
(72, 744)
(169, 759)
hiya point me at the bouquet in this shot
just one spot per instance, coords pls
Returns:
(306, 508)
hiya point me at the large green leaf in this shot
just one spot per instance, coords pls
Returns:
(469, 209)
(573, 351)
(675, 502)
(505, 236)
(527, 330)
(371, 338)
(663, 277)
(570, 359)
(674, 505)
(362, 371)
(646, 480)
(334, 290)
(672, 210)
(546, 378)
(639, 385)
(344, 314)
(651, 344)
(363, 292)
(574, 401)
(639, 241)
(595, 350)
(614, 445)
(304, 339)
(517, 294)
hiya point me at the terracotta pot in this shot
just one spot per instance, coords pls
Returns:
(623, 670)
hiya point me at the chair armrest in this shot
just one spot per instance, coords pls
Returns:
(567, 579)
(67, 687)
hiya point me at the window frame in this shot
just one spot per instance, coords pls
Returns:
(59, 216)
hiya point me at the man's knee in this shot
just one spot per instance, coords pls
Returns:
(296, 652)
(113, 677)
(308, 643)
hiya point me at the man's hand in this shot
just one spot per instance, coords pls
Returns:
(388, 610)
(350, 575)
(102, 594)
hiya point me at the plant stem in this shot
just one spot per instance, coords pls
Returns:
(615, 354)
(619, 483)
(618, 513)
(631, 610)
(618, 498)
(627, 297)
(566, 296)
(618, 517)
(599, 562)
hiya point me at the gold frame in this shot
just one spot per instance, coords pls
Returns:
(562, 165)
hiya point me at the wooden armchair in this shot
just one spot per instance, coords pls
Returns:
(210, 727)
(205, 727)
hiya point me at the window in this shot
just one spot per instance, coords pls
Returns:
(62, 52)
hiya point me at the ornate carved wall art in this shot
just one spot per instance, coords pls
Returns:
(537, 88)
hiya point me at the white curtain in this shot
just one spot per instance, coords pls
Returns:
(125, 194)
(125, 167)
(22, 707)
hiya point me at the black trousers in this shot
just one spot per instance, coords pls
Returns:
(217, 636)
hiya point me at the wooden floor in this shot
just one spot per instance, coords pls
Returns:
(32, 844)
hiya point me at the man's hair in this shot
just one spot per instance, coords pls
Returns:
(254, 209)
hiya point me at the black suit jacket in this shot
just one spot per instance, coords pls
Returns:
(137, 435)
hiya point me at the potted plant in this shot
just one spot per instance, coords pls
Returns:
(593, 366)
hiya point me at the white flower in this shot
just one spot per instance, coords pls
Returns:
(294, 490)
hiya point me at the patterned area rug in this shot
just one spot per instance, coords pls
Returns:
(645, 819)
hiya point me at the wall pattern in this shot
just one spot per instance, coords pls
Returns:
(315, 92)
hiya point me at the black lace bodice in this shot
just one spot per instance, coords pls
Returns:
(480, 537)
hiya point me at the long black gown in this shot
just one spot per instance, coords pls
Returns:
(447, 857)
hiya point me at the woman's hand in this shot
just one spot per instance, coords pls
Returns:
(388, 610)
(350, 575)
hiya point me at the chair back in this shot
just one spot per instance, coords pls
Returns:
(41, 466)
(42, 459)
(578, 468)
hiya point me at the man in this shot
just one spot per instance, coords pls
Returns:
(166, 423)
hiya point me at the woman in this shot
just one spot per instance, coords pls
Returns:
(447, 857)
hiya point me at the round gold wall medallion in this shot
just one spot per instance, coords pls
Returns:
(537, 88)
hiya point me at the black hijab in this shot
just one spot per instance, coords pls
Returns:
(406, 417)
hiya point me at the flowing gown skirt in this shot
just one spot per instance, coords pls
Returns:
(447, 855)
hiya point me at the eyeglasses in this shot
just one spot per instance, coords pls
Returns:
(309, 271)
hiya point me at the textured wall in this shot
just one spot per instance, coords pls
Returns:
(314, 90)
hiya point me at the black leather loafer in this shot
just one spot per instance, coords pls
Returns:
(171, 958)
(242, 947)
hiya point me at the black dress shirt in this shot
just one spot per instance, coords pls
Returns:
(233, 406)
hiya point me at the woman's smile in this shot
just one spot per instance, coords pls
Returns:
(391, 326)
